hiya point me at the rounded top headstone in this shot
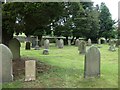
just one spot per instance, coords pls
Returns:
(14, 41)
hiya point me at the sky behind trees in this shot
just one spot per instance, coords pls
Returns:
(112, 5)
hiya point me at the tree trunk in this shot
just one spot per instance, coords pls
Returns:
(66, 41)
(40, 39)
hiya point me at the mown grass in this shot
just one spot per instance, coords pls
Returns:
(68, 69)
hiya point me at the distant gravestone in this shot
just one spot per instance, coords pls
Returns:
(6, 70)
(69, 42)
(60, 43)
(14, 46)
(92, 63)
(112, 46)
(27, 47)
(99, 41)
(56, 42)
(37, 46)
(77, 42)
(30, 70)
(33, 42)
(82, 47)
(45, 51)
(89, 42)
(46, 44)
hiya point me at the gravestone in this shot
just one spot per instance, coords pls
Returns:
(33, 42)
(45, 51)
(82, 47)
(60, 43)
(46, 44)
(99, 41)
(37, 46)
(69, 42)
(14, 46)
(89, 42)
(27, 46)
(92, 62)
(112, 46)
(6, 70)
(77, 42)
(56, 42)
(30, 70)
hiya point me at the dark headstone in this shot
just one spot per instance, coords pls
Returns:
(27, 47)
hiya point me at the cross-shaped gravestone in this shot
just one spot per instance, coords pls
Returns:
(37, 46)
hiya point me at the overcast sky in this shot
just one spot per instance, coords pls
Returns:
(112, 5)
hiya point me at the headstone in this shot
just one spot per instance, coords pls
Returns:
(112, 46)
(6, 63)
(45, 51)
(92, 62)
(69, 42)
(89, 42)
(14, 46)
(33, 42)
(60, 43)
(27, 47)
(37, 46)
(46, 44)
(77, 42)
(82, 47)
(56, 42)
(30, 70)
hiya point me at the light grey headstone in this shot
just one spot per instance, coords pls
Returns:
(46, 44)
(14, 46)
(92, 62)
(99, 41)
(82, 47)
(6, 63)
(77, 42)
(89, 42)
(112, 46)
(60, 43)
(30, 70)
(56, 42)
(37, 46)
(69, 42)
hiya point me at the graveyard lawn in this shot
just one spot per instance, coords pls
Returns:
(67, 69)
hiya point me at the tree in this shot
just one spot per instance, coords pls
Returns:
(106, 22)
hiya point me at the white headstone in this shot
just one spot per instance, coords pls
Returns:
(92, 62)
(6, 63)
(89, 42)
(30, 70)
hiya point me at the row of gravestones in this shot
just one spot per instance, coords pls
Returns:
(91, 66)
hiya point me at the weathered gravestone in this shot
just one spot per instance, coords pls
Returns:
(14, 46)
(6, 70)
(82, 47)
(27, 46)
(69, 42)
(89, 42)
(30, 70)
(112, 46)
(33, 42)
(46, 44)
(77, 42)
(56, 42)
(45, 51)
(37, 46)
(92, 62)
(60, 43)
(99, 41)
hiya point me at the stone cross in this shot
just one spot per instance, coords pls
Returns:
(30, 70)
(92, 62)
(37, 46)
(6, 70)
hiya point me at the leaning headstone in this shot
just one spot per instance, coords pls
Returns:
(112, 46)
(82, 47)
(46, 44)
(14, 46)
(77, 42)
(92, 62)
(37, 46)
(60, 43)
(45, 51)
(30, 70)
(6, 63)
(27, 47)
(89, 42)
